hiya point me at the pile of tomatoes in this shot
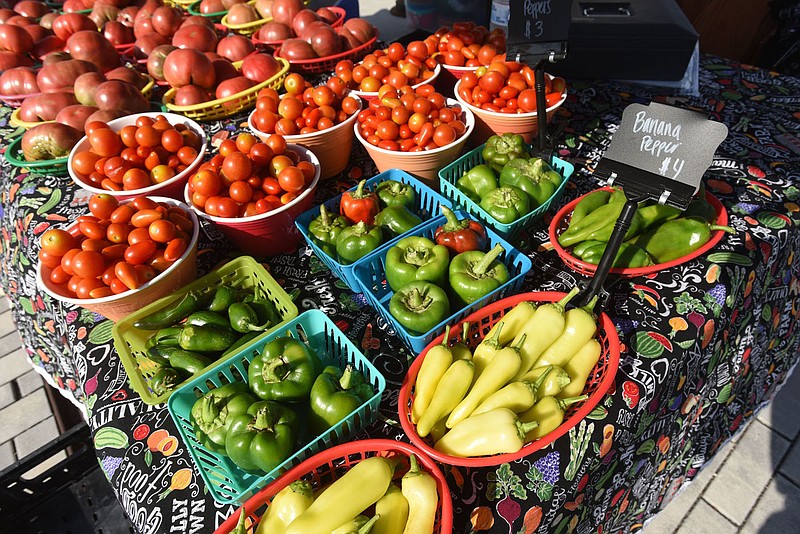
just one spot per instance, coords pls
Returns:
(249, 177)
(411, 121)
(395, 66)
(148, 152)
(467, 45)
(507, 87)
(303, 109)
(119, 247)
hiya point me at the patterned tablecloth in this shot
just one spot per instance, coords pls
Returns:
(704, 345)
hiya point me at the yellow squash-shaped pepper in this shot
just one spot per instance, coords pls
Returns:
(451, 389)
(548, 412)
(579, 327)
(557, 379)
(434, 365)
(580, 366)
(285, 507)
(393, 511)
(513, 322)
(493, 432)
(419, 489)
(516, 396)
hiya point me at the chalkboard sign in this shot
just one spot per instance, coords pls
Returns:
(539, 21)
(673, 146)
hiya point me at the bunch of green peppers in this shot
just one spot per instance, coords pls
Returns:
(259, 424)
(511, 183)
(658, 233)
(427, 284)
(347, 240)
(514, 387)
(199, 328)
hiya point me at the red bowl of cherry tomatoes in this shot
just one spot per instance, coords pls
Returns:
(318, 118)
(418, 131)
(394, 66)
(122, 256)
(140, 154)
(253, 190)
(503, 99)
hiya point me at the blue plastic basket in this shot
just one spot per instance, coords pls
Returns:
(228, 483)
(426, 205)
(450, 174)
(371, 274)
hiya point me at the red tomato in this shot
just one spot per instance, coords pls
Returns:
(88, 264)
(140, 252)
(126, 273)
(175, 249)
(105, 142)
(57, 242)
(162, 231)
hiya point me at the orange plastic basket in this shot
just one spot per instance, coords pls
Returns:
(327, 466)
(561, 221)
(598, 383)
(225, 107)
(270, 46)
(327, 64)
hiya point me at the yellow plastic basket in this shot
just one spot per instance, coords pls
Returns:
(246, 29)
(16, 122)
(241, 273)
(183, 4)
(225, 107)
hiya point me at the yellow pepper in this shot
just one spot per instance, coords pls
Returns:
(360, 525)
(460, 348)
(580, 366)
(549, 413)
(434, 365)
(285, 507)
(393, 511)
(579, 327)
(516, 396)
(449, 391)
(556, 380)
(487, 349)
(419, 489)
(493, 432)
(514, 320)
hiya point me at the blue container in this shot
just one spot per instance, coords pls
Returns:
(426, 205)
(371, 274)
(450, 174)
(227, 482)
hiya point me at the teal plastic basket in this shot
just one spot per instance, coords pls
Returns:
(371, 275)
(228, 483)
(450, 174)
(426, 205)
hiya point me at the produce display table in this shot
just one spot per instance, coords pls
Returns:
(704, 344)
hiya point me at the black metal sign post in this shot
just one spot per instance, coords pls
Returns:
(537, 34)
(658, 153)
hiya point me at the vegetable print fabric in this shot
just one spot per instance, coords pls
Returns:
(703, 345)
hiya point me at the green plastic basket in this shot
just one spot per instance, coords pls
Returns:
(450, 174)
(50, 167)
(194, 9)
(228, 483)
(242, 273)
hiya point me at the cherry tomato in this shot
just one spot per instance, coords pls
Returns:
(57, 242)
(140, 252)
(105, 142)
(88, 264)
(162, 231)
(126, 273)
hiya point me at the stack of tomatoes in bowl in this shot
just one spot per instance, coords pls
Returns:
(318, 118)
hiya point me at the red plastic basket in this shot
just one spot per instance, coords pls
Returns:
(600, 379)
(561, 220)
(270, 46)
(15, 101)
(327, 64)
(327, 466)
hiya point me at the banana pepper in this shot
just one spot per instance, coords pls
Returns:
(285, 507)
(493, 432)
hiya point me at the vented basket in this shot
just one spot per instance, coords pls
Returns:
(597, 385)
(226, 482)
(371, 275)
(242, 273)
(270, 46)
(426, 205)
(50, 167)
(327, 64)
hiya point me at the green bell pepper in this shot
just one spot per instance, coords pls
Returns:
(500, 149)
(394, 193)
(335, 395)
(357, 241)
(263, 437)
(396, 220)
(477, 181)
(533, 176)
(474, 274)
(628, 255)
(419, 306)
(416, 258)
(325, 230)
(506, 204)
(212, 414)
(284, 371)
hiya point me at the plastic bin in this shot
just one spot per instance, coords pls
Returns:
(371, 275)
(226, 482)
(449, 175)
(242, 273)
(426, 205)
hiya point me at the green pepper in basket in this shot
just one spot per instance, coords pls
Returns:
(212, 414)
(396, 220)
(223, 297)
(599, 224)
(266, 311)
(652, 215)
(460, 235)
(506, 204)
(355, 242)
(589, 203)
(477, 181)
(165, 380)
(395, 193)
(325, 230)
(263, 437)
(244, 319)
(677, 238)
(192, 301)
(419, 306)
(700, 207)
(207, 318)
(335, 395)
(533, 176)
(206, 338)
(416, 258)
(284, 371)
(628, 256)
(474, 274)
(503, 148)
